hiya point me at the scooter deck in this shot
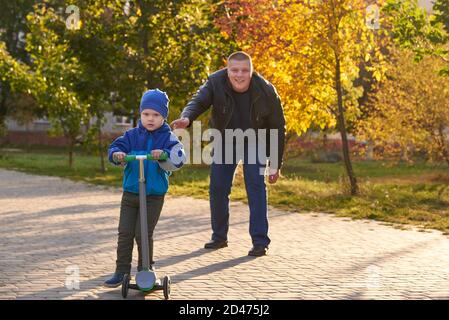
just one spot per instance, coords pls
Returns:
(157, 286)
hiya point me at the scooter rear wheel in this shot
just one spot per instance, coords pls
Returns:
(125, 285)
(166, 286)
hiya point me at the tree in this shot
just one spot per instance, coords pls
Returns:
(126, 48)
(425, 34)
(411, 109)
(17, 76)
(171, 45)
(98, 56)
(311, 51)
(121, 50)
(12, 36)
(56, 67)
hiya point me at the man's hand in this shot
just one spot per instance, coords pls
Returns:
(156, 153)
(181, 123)
(274, 176)
(119, 157)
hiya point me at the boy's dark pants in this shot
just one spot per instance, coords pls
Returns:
(129, 228)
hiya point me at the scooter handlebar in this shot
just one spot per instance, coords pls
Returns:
(132, 157)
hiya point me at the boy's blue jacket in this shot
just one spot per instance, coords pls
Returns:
(141, 141)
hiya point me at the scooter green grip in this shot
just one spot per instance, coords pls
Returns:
(163, 156)
(132, 157)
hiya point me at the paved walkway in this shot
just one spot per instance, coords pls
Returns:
(52, 230)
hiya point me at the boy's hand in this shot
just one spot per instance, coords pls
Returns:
(156, 153)
(119, 157)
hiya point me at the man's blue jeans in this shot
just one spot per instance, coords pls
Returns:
(221, 177)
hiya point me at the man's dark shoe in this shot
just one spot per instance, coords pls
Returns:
(215, 244)
(115, 281)
(258, 251)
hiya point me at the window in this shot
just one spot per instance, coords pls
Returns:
(123, 120)
(42, 120)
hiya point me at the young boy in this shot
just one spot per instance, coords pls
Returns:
(152, 136)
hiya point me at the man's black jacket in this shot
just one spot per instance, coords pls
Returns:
(265, 110)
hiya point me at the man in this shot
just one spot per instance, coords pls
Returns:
(241, 99)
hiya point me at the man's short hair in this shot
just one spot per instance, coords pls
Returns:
(241, 56)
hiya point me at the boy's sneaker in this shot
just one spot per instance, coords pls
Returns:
(115, 281)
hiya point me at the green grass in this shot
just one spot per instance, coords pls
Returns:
(397, 193)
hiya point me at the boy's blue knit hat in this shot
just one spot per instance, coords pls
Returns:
(155, 99)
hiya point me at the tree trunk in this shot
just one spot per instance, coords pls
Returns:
(100, 145)
(28, 144)
(443, 144)
(369, 151)
(3, 108)
(342, 128)
(324, 141)
(146, 10)
(404, 154)
(71, 143)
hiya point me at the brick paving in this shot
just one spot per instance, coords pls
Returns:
(54, 230)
